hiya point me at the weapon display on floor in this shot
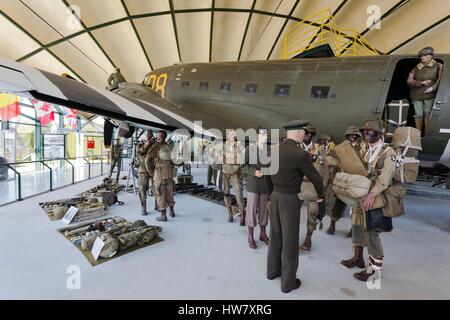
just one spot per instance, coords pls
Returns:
(117, 234)
(88, 208)
(108, 185)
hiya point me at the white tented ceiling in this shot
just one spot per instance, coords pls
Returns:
(87, 39)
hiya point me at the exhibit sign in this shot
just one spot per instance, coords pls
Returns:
(97, 248)
(54, 146)
(70, 214)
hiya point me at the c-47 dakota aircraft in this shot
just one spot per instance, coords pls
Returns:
(333, 93)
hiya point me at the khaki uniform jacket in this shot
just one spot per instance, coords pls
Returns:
(234, 158)
(382, 169)
(142, 152)
(162, 169)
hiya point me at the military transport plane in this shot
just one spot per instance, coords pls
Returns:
(331, 92)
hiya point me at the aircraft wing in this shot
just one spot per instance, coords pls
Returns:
(152, 110)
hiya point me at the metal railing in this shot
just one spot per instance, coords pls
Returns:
(18, 175)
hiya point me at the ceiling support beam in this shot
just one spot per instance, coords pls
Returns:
(41, 44)
(434, 25)
(328, 21)
(154, 14)
(282, 28)
(174, 21)
(136, 33)
(89, 33)
(384, 16)
(246, 29)
(213, 6)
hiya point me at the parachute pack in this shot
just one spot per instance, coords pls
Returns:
(407, 144)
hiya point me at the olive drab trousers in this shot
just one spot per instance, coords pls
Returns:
(282, 256)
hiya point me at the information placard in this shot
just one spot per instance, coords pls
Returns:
(70, 214)
(97, 247)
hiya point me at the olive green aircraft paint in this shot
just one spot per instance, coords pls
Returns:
(333, 93)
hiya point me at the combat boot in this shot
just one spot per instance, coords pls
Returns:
(307, 243)
(251, 240)
(356, 261)
(242, 223)
(332, 228)
(230, 215)
(263, 235)
(172, 212)
(375, 264)
(144, 208)
(163, 216)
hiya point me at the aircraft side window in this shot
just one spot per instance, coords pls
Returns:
(319, 92)
(185, 85)
(203, 86)
(225, 87)
(251, 88)
(282, 90)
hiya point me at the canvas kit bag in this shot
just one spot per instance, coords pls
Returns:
(351, 187)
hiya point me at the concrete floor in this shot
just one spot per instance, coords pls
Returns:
(204, 257)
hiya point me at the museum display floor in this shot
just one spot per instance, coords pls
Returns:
(204, 257)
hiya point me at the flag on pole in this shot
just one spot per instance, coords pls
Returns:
(9, 106)
(45, 112)
(70, 117)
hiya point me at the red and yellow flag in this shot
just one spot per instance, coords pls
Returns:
(9, 106)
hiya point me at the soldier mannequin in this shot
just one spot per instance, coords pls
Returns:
(144, 173)
(378, 160)
(232, 175)
(116, 158)
(318, 159)
(114, 79)
(354, 136)
(282, 256)
(259, 187)
(159, 160)
(214, 165)
(424, 82)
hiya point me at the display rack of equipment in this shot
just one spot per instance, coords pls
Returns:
(106, 239)
(87, 208)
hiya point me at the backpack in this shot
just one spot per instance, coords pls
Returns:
(407, 145)
(109, 198)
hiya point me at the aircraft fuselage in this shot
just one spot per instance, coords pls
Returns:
(333, 93)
